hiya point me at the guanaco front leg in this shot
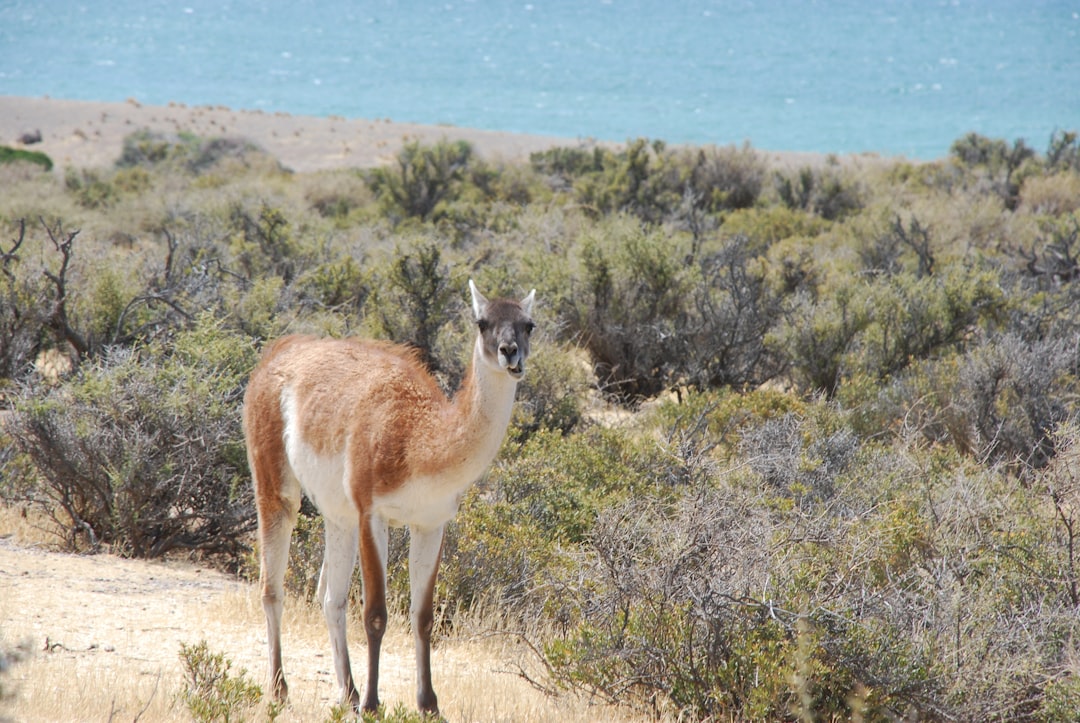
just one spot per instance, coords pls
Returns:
(425, 547)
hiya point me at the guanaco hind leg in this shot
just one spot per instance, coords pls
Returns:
(339, 561)
(277, 517)
(374, 542)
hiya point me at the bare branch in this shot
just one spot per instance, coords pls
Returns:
(7, 257)
(58, 317)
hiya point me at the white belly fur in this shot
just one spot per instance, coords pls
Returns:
(423, 502)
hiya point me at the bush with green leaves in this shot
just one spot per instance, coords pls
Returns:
(553, 394)
(878, 327)
(722, 599)
(655, 183)
(422, 178)
(827, 192)
(413, 302)
(186, 151)
(213, 692)
(995, 162)
(141, 450)
(263, 241)
(652, 316)
(20, 155)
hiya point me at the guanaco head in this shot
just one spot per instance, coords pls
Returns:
(505, 326)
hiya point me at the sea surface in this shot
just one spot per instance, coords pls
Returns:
(895, 77)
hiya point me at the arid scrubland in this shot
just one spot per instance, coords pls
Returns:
(796, 443)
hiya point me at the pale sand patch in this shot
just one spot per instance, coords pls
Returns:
(86, 134)
(104, 635)
(90, 134)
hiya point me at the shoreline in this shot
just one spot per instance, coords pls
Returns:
(90, 134)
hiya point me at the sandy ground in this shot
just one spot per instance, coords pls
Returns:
(85, 134)
(101, 622)
(90, 134)
(102, 635)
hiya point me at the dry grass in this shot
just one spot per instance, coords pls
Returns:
(104, 635)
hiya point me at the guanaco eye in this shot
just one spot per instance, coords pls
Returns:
(529, 326)
(484, 325)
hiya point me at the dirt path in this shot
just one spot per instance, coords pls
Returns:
(100, 622)
(91, 622)
(103, 636)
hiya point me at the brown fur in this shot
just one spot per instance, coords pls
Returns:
(367, 432)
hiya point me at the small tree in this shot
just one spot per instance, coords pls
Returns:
(422, 178)
(414, 302)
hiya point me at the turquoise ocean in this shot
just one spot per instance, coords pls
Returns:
(895, 77)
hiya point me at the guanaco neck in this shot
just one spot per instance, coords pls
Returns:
(468, 433)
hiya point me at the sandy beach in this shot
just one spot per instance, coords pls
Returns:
(90, 134)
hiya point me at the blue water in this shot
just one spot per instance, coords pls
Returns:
(898, 77)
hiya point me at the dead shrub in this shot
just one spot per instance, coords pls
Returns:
(1054, 195)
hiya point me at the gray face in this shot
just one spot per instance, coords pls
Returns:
(505, 329)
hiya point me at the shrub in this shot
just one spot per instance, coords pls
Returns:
(1000, 401)
(17, 155)
(650, 320)
(766, 226)
(567, 164)
(1054, 260)
(142, 451)
(656, 184)
(1063, 151)
(24, 301)
(212, 692)
(539, 500)
(884, 252)
(825, 192)
(794, 468)
(92, 189)
(627, 311)
(340, 285)
(493, 557)
(721, 601)
(731, 310)
(996, 154)
(661, 617)
(728, 178)
(422, 179)
(146, 149)
(413, 300)
(996, 161)
(879, 328)
(631, 182)
(1054, 195)
(263, 241)
(911, 318)
(552, 394)
(337, 195)
(34, 313)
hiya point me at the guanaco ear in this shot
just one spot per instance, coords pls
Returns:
(479, 303)
(527, 302)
